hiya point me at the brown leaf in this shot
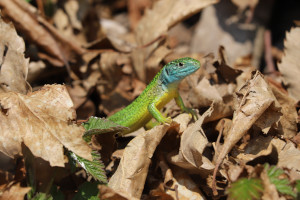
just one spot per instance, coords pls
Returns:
(157, 21)
(256, 104)
(42, 120)
(290, 65)
(288, 121)
(192, 144)
(108, 193)
(14, 66)
(59, 49)
(184, 187)
(289, 157)
(129, 179)
(15, 192)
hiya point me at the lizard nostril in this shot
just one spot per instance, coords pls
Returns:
(180, 64)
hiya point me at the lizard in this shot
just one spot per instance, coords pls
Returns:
(162, 89)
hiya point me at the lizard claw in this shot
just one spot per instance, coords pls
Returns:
(192, 112)
(167, 120)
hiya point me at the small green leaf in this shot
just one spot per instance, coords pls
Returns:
(87, 191)
(95, 126)
(42, 196)
(298, 188)
(281, 184)
(56, 193)
(245, 189)
(94, 168)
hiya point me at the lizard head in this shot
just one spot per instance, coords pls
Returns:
(177, 70)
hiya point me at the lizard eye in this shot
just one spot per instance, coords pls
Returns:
(180, 64)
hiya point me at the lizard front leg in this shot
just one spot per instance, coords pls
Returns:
(157, 115)
(181, 105)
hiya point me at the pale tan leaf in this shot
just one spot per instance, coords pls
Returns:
(43, 121)
(14, 66)
(192, 144)
(129, 179)
(157, 21)
(290, 65)
(186, 188)
(288, 121)
(15, 192)
(256, 104)
(289, 157)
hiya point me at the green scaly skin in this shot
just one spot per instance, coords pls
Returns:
(162, 89)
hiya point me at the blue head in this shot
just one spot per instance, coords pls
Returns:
(176, 70)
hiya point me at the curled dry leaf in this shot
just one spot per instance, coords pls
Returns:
(290, 65)
(42, 120)
(256, 104)
(131, 174)
(192, 144)
(14, 66)
(157, 21)
(15, 192)
(287, 126)
(184, 187)
(261, 146)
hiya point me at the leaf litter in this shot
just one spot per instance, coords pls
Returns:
(244, 142)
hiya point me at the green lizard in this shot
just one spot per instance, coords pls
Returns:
(162, 89)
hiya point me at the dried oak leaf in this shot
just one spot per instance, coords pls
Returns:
(290, 65)
(42, 120)
(14, 66)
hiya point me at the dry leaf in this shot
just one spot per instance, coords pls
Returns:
(204, 94)
(59, 49)
(256, 105)
(289, 157)
(157, 21)
(108, 193)
(42, 120)
(184, 187)
(192, 144)
(131, 174)
(288, 121)
(290, 64)
(261, 146)
(14, 66)
(15, 192)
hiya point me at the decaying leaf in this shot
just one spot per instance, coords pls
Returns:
(256, 104)
(43, 121)
(14, 66)
(290, 64)
(157, 22)
(131, 174)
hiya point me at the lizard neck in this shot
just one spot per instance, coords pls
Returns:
(168, 82)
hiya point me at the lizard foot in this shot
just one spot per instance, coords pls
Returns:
(192, 112)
